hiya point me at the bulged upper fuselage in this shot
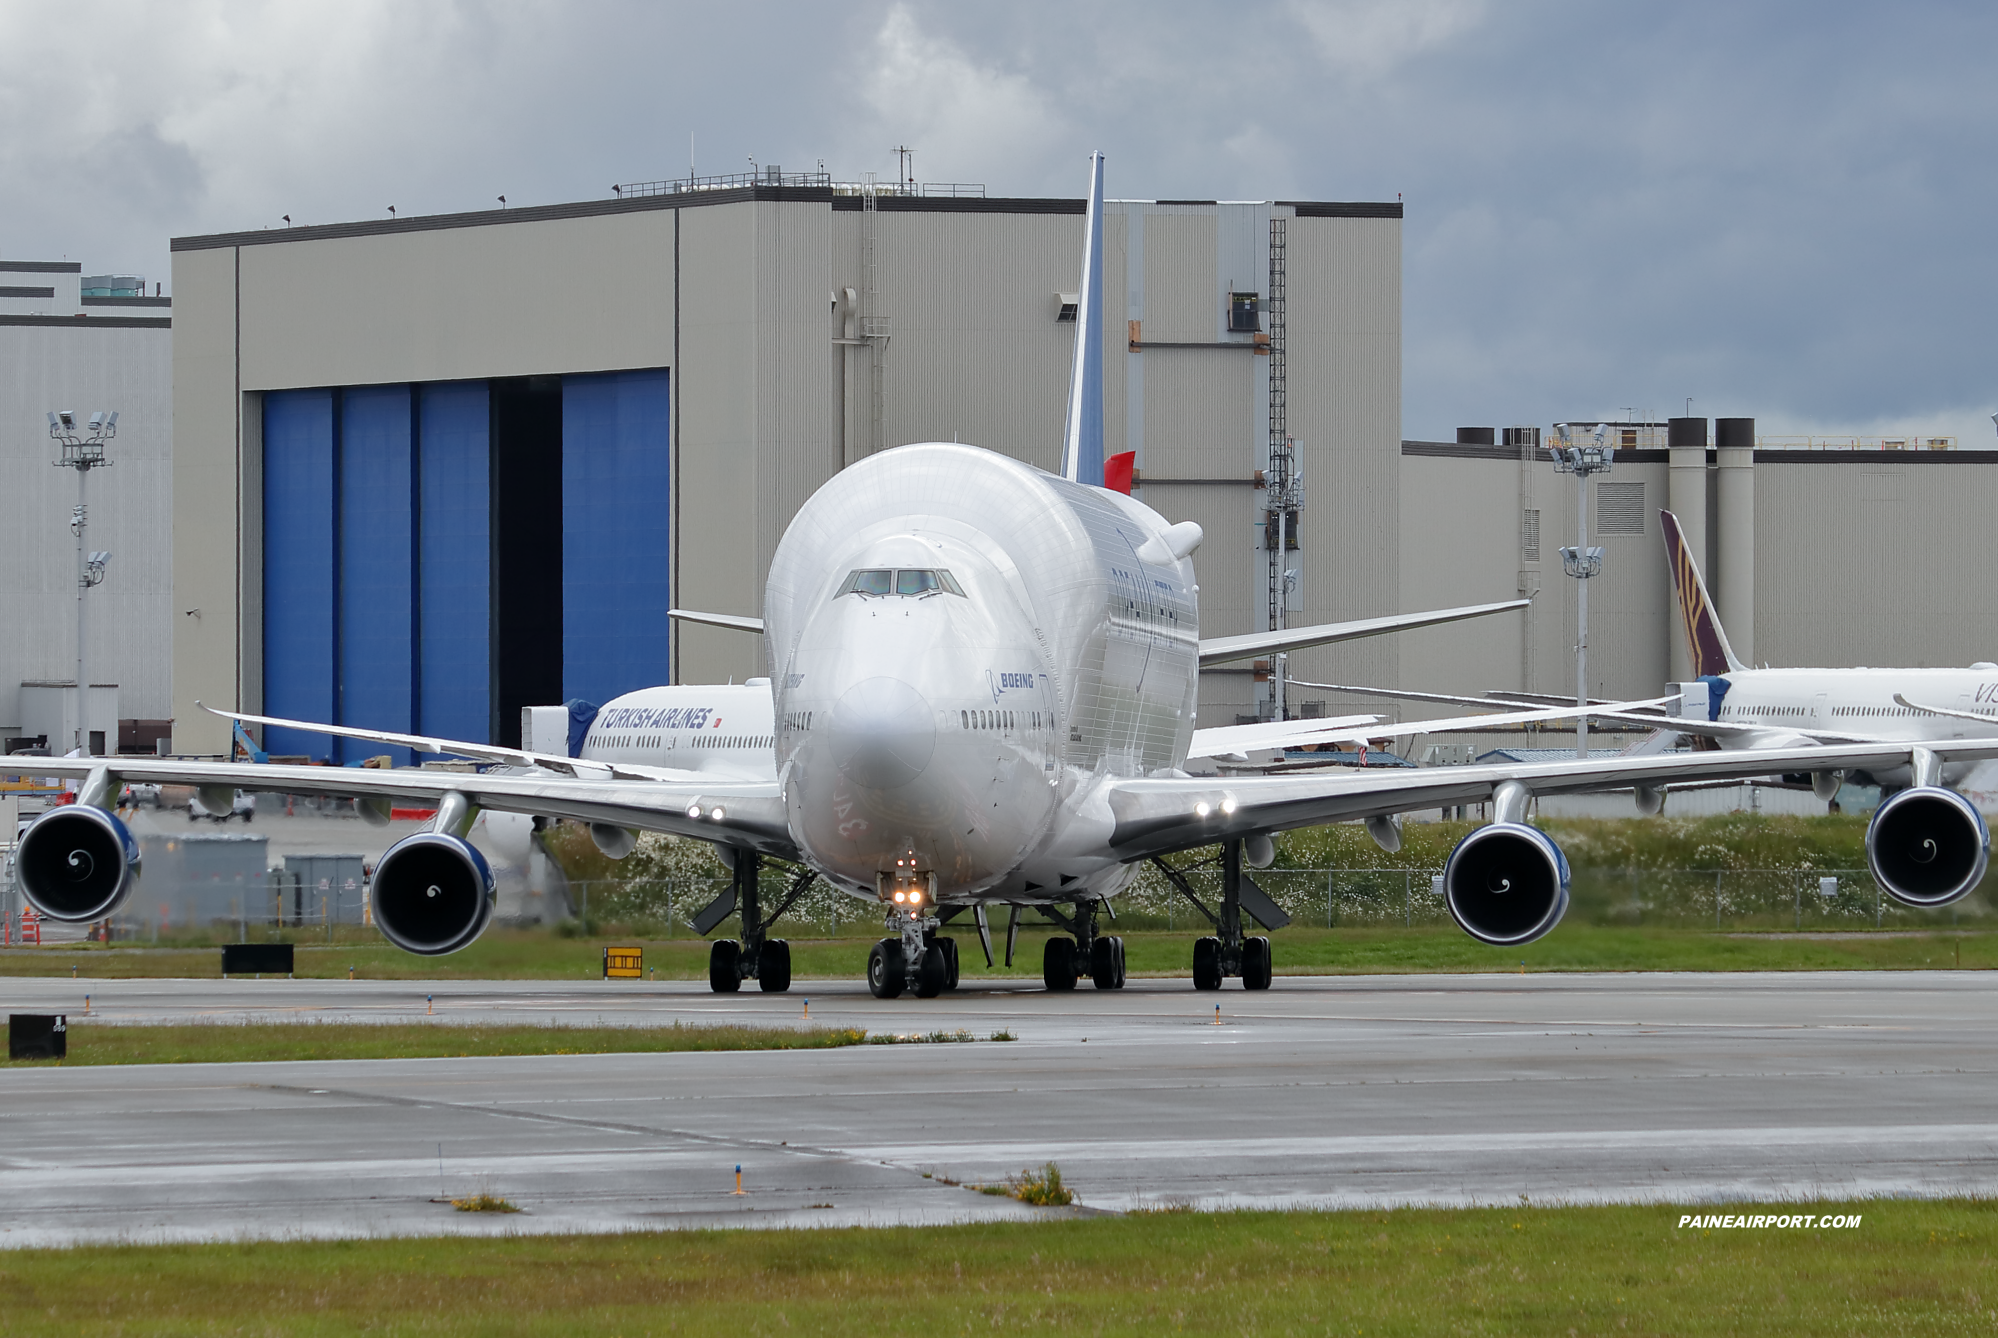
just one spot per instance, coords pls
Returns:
(962, 647)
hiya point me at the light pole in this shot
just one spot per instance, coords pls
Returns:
(83, 454)
(1582, 561)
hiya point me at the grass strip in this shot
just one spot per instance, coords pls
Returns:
(229, 1042)
(1909, 1268)
(1300, 949)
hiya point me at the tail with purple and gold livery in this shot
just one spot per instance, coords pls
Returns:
(1708, 642)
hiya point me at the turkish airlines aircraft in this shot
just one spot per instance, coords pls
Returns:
(982, 693)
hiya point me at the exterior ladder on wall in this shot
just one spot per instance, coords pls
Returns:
(873, 325)
(1283, 495)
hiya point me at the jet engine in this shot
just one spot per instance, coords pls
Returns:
(1927, 846)
(77, 862)
(432, 894)
(1506, 883)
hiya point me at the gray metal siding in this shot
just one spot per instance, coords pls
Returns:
(1874, 559)
(717, 549)
(1345, 413)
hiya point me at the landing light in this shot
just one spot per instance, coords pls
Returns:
(716, 813)
(901, 896)
(1201, 809)
(693, 810)
(915, 898)
(1228, 804)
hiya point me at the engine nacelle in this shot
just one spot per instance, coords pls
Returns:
(1506, 883)
(77, 862)
(1927, 846)
(432, 894)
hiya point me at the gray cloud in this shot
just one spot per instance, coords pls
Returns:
(1776, 209)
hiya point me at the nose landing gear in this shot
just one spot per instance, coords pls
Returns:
(1229, 952)
(916, 958)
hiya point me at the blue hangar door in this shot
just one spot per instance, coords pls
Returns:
(437, 556)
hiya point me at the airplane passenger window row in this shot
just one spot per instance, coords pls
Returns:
(998, 719)
(901, 581)
(698, 741)
(1877, 712)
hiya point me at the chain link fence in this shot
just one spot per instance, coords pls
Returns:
(1376, 898)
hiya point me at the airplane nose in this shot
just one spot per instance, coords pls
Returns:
(882, 733)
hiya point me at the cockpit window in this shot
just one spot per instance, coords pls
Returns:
(868, 583)
(904, 581)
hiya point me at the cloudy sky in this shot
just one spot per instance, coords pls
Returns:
(1777, 209)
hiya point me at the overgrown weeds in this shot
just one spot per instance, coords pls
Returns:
(484, 1202)
(1042, 1188)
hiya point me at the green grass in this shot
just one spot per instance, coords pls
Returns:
(1910, 1268)
(222, 1043)
(1573, 946)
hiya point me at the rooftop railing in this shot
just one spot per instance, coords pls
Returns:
(773, 176)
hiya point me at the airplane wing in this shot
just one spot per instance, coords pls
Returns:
(1519, 701)
(736, 812)
(1159, 816)
(1952, 712)
(481, 752)
(1222, 649)
(1365, 729)
(738, 622)
(1743, 735)
(1231, 740)
(1643, 715)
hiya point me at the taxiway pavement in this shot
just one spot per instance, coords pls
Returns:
(1334, 1091)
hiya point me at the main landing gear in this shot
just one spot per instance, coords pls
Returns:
(756, 956)
(1065, 961)
(914, 958)
(1229, 952)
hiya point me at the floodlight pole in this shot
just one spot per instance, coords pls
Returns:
(1582, 561)
(83, 454)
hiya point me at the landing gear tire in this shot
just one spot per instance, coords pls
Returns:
(773, 969)
(887, 971)
(1058, 963)
(933, 974)
(1256, 966)
(1106, 964)
(949, 946)
(1207, 963)
(725, 966)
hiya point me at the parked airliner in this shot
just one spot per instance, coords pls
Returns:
(982, 692)
(1736, 706)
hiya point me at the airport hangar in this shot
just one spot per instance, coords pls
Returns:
(86, 343)
(429, 470)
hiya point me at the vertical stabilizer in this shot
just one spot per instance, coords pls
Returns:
(1708, 643)
(1082, 435)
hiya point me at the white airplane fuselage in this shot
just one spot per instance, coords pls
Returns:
(722, 731)
(1787, 707)
(960, 725)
